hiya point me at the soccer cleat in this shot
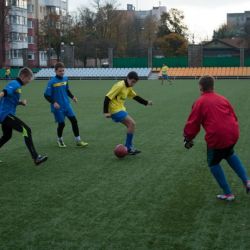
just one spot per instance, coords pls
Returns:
(133, 151)
(248, 186)
(81, 144)
(40, 159)
(226, 197)
(61, 143)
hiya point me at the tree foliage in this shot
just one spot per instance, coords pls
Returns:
(172, 44)
(224, 31)
(94, 32)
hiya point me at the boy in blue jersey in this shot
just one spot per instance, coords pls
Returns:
(9, 99)
(114, 108)
(58, 93)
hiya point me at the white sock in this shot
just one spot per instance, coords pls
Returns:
(78, 138)
(60, 138)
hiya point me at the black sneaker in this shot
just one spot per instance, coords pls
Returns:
(40, 159)
(133, 151)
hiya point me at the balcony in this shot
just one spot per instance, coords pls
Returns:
(17, 62)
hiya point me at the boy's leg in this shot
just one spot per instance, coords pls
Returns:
(238, 168)
(60, 128)
(162, 79)
(235, 163)
(214, 158)
(169, 80)
(7, 132)
(130, 124)
(75, 129)
(59, 118)
(21, 127)
(219, 176)
(74, 125)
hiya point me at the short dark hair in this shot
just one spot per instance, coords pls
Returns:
(206, 82)
(59, 65)
(133, 75)
(27, 72)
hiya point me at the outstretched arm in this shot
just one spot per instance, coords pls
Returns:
(142, 101)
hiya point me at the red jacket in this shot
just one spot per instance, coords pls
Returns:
(217, 117)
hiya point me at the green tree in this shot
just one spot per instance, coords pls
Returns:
(54, 30)
(172, 22)
(172, 44)
(224, 31)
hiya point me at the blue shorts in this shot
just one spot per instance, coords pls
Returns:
(61, 113)
(165, 77)
(119, 116)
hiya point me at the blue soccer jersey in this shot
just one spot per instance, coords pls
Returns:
(57, 90)
(11, 98)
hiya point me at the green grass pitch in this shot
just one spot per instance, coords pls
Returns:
(163, 198)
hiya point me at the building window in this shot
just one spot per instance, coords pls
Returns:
(30, 8)
(19, 3)
(20, 20)
(30, 24)
(31, 56)
(30, 39)
(43, 56)
(15, 54)
(18, 37)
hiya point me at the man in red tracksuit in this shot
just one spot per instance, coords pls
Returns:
(217, 117)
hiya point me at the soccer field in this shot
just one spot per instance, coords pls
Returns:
(86, 198)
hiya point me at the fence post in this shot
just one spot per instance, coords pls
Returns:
(110, 56)
(242, 57)
(150, 57)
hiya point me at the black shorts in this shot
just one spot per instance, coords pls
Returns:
(214, 156)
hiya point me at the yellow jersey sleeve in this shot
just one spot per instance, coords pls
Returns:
(115, 90)
(131, 93)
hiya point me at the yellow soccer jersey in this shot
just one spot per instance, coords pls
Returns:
(7, 72)
(164, 70)
(117, 95)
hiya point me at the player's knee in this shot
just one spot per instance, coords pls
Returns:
(61, 125)
(132, 125)
(26, 131)
(73, 120)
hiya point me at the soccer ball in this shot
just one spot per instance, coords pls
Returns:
(120, 151)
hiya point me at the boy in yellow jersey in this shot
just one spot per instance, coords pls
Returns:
(114, 107)
(7, 73)
(164, 74)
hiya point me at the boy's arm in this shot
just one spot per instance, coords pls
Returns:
(74, 98)
(106, 107)
(22, 102)
(193, 123)
(142, 101)
(48, 98)
(48, 93)
(3, 93)
(69, 93)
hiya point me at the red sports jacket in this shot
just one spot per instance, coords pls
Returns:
(217, 117)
